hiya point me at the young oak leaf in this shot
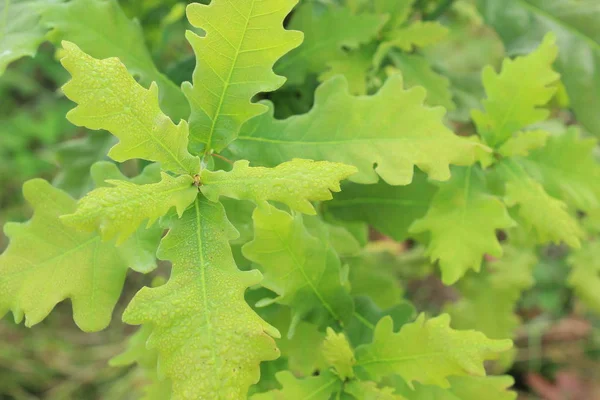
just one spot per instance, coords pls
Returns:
(338, 354)
(233, 65)
(365, 390)
(567, 168)
(462, 220)
(98, 27)
(209, 341)
(294, 183)
(326, 33)
(320, 387)
(514, 96)
(523, 142)
(301, 269)
(426, 351)
(47, 262)
(120, 209)
(548, 216)
(109, 98)
(392, 130)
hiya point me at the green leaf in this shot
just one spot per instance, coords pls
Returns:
(548, 216)
(209, 341)
(294, 183)
(523, 142)
(462, 220)
(389, 209)
(523, 23)
(313, 388)
(338, 354)
(427, 351)
(417, 71)
(99, 28)
(326, 32)
(407, 38)
(515, 95)
(369, 391)
(233, 65)
(585, 274)
(568, 169)
(109, 98)
(466, 388)
(301, 269)
(392, 129)
(21, 30)
(118, 210)
(47, 262)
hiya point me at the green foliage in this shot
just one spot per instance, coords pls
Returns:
(233, 65)
(286, 282)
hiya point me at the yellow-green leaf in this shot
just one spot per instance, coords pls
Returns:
(295, 183)
(233, 65)
(109, 98)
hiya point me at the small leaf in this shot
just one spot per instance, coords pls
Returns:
(392, 130)
(233, 65)
(98, 27)
(427, 351)
(109, 98)
(523, 142)
(514, 96)
(210, 342)
(303, 270)
(47, 262)
(466, 388)
(338, 354)
(549, 217)
(294, 183)
(118, 210)
(462, 220)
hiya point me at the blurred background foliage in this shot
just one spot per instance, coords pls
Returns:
(557, 352)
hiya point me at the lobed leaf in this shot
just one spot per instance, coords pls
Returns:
(47, 262)
(301, 269)
(210, 342)
(462, 220)
(427, 351)
(338, 354)
(118, 210)
(233, 65)
(467, 388)
(109, 98)
(515, 95)
(364, 390)
(392, 130)
(294, 183)
(102, 30)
